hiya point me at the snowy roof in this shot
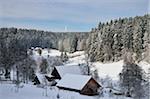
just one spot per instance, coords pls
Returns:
(73, 69)
(41, 77)
(73, 81)
(49, 75)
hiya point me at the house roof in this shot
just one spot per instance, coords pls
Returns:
(73, 81)
(73, 69)
(41, 77)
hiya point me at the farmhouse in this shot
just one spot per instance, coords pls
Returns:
(60, 71)
(83, 84)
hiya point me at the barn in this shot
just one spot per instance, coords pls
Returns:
(83, 84)
(59, 71)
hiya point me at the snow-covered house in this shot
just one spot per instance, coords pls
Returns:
(43, 79)
(59, 71)
(40, 79)
(83, 84)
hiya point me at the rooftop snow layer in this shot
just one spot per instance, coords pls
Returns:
(41, 77)
(73, 81)
(72, 69)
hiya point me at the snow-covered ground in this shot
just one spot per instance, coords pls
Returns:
(113, 69)
(29, 91)
(8, 91)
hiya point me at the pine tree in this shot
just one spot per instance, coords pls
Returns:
(117, 48)
(93, 45)
(73, 44)
(64, 57)
(44, 66)
(127, 37)
(131, 79)
(137, 43)
(108, 41)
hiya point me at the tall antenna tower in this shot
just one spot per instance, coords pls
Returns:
(66, 29)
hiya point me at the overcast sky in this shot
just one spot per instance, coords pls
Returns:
(70, 15)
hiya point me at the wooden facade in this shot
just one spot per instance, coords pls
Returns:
(91, 88)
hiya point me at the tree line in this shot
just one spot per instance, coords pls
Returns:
(109, 41)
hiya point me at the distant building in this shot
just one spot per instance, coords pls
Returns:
(13, 73)
(44, 79)
(2, 73)
(59, 71)
(83, 84)
(36, 81)
(40, 79)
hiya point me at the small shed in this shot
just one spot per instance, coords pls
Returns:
(83, 84)
(39, 79)
(44, 79)
(59, 71)
(36, 81)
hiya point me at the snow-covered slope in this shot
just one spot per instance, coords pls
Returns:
(104, 69)
(113, 69)
(109, 69)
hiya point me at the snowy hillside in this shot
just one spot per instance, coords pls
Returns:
(113, 69)
(104, 69)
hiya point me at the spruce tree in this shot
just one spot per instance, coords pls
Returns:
(131, 78)
(137, 42)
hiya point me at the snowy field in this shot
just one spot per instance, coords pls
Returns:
(29, 91)
(9, 91)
